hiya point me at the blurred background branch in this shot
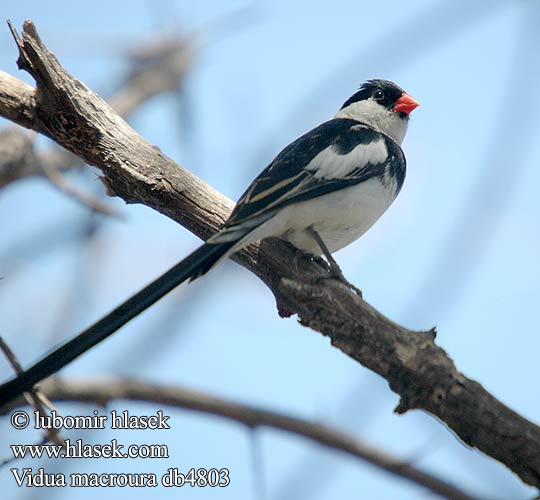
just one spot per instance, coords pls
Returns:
(103, 392)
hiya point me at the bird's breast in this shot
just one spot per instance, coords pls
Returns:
(339, 217)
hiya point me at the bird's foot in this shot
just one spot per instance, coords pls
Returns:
(335, 272)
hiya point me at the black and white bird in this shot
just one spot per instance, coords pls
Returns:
(327, 188)
(323, 191)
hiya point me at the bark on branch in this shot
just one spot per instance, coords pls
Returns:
(155, 69)
(419, 371)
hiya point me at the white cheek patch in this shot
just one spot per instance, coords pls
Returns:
(372, 113)
(332, 165)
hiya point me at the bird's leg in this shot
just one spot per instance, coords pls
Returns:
(296, 260)
(299, 255)
(335, 270)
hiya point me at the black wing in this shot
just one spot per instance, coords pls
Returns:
(315, 164)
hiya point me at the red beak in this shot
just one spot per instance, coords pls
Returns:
(405, 104)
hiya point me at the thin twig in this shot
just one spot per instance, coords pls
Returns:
(58, 180)
(34, 397)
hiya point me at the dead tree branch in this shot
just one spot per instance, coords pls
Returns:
(423, 375)
(155, 69)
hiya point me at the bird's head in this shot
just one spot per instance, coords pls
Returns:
(383, 105)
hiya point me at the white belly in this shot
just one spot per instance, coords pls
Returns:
(339, 217)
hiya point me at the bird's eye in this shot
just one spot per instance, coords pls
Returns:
(378, 95)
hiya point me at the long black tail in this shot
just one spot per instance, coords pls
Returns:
(194, 265)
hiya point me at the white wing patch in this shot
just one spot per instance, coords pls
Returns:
(332, 165)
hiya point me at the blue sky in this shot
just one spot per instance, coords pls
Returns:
(458, 249)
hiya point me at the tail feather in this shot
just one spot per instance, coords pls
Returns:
(210, 255)
(193, 266)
